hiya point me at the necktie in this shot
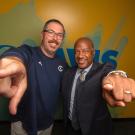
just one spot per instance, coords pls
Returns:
(74, 121)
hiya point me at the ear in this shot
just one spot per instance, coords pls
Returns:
(41, 35)
(93, 52)
(62, 43)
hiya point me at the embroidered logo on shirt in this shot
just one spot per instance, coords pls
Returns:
(60, 68)
(40, 63)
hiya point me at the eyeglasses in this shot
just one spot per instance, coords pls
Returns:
(52, 33)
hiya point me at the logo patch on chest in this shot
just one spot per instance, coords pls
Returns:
(60, 68)
(40, 63)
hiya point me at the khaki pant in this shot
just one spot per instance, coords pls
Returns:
(17, 129)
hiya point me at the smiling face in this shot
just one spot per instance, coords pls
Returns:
(52, 38)
(84, 52)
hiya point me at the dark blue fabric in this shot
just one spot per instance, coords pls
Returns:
(38, 104)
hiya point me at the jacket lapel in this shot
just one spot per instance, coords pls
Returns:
(92, 70)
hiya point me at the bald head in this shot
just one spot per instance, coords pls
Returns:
(84, 39)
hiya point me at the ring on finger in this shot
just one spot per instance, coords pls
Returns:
(127, 92)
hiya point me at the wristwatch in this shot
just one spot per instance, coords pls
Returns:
(118, 72)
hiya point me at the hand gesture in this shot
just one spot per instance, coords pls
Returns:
(118, 90)
(13, 81)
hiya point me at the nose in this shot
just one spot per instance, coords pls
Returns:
(55, 37)
(81, 54)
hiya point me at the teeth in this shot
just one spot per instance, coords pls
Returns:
(81, 61)
(53, 44)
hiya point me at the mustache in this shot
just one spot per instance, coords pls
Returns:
(78, 59)
(53, 41)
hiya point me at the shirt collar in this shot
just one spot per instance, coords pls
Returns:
(86, 69)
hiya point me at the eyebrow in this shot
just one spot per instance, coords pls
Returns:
(53, 30)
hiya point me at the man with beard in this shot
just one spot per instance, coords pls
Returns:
(38, 71)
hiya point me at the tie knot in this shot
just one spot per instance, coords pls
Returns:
(82, 71)
(82, 75)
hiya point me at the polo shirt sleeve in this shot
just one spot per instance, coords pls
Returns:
(23, 52)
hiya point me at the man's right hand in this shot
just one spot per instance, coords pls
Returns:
(13, 81)
(118, 90)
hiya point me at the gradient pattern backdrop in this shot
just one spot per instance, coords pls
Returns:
(110, 24)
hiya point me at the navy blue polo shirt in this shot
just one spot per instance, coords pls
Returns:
(37, 107)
